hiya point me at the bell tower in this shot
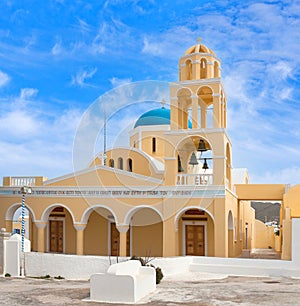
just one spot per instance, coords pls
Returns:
(198, 118)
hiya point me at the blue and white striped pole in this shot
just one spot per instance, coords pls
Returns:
(23, 221)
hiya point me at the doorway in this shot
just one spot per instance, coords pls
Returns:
(56, 236)
(194, 238)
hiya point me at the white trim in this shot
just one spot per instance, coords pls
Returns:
(184, 223)
(148, 128)
(48, 233)
(132, 211)
(106, 168)
(49, 208)
(10, 210)
(86, 214)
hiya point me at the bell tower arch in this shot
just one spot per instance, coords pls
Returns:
(198, 110)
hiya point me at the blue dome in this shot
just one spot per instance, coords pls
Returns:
(158, 116)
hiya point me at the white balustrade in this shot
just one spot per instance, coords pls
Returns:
(187, 179)
(19, 181)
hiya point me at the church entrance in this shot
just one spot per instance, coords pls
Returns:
(56, 236)
(194, 239)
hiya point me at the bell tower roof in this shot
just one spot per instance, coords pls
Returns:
(199, 48)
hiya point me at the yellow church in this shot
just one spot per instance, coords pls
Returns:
(171, 192)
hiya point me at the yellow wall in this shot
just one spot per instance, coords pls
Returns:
(264, 236)
(96, 235)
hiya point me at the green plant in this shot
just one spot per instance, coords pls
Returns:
(7, 275)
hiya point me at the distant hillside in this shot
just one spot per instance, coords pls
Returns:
(266, 211)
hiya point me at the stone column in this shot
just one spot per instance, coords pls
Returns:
(123, 228)
(79, 238)
(217, 112)
(194, 111)
(170, 238)
(41, 226)
(3, 237)
(203, 114)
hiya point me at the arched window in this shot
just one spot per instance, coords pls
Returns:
(188, 69)
(120, 163)
(179, 166)
(129, 164)
(153, 144)
(203, 68)
(111, 163)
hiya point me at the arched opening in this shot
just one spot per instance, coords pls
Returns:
(146, 232)
(120, 163)
(196, 161)
(205, 100)
(216, 70)
(184, 104)
(60, 232)
(196, 232)
(101, 236)
(129, 164)
(111, 163)
(203, 68)
(228, 166)
(14, 223)
(188, 69)
(230, 235)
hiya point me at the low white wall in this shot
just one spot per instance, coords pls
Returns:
(68, 266)
(82, 267)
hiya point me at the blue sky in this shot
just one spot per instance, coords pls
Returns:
(58, 56)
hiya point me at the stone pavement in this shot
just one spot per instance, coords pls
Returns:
(185, 289)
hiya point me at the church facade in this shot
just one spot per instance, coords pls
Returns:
(171, 192)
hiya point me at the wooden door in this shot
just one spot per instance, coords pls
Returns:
(194, 240)
(56, 232)
(115, 240)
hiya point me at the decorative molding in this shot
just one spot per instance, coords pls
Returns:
(216, 95)
(176, 191)
(79, 226)
(40, 224)
(169, 158)
(122, 228)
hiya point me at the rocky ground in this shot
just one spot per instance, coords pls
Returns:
(188, 289)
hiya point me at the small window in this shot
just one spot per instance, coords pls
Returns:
(120, 163)
(153, 144)
(129, 164)
(111, 163)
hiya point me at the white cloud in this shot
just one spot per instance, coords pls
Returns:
(57, 48)
(81, 77)
(115, 82)
(28, 93)
(4, 78)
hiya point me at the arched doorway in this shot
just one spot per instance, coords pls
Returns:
(60, 231)
(14, 218)
(230, 235)
(195, 232)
